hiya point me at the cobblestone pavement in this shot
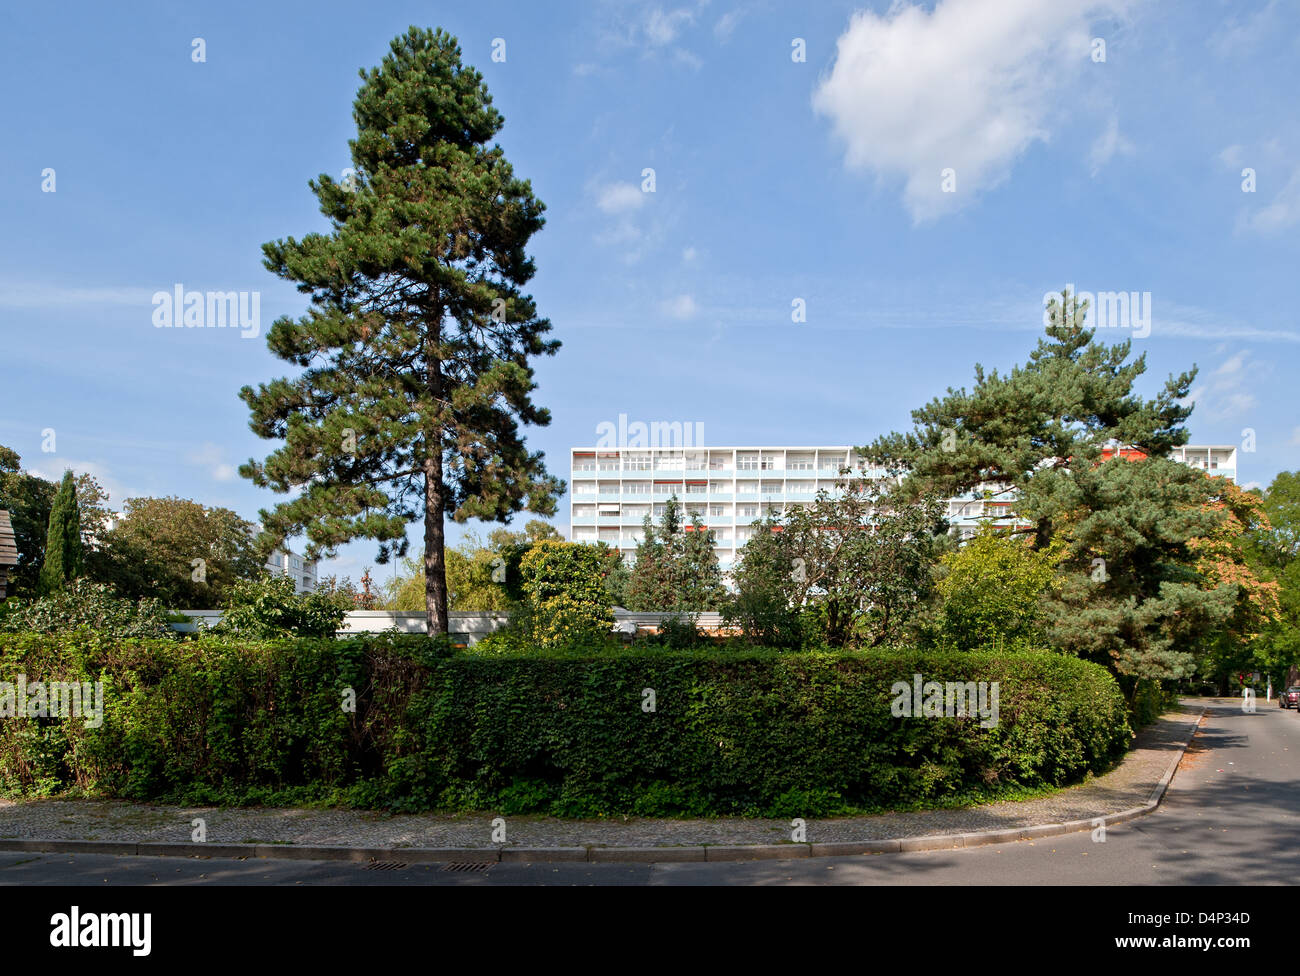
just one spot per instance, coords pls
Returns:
(1127, 786)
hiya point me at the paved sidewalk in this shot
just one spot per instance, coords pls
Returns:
(1128, 787)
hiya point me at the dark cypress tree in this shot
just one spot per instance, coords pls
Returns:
(415, 351)
(62, 539)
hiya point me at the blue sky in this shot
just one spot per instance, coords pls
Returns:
(775, 180)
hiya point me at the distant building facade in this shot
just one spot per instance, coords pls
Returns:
(286, 562)
(613, 489)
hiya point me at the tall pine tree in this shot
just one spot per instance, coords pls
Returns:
(62, 539)
(415, 351)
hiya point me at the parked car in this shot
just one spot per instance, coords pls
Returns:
(1289, 698)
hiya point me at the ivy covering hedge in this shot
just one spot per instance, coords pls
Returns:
(731, 732)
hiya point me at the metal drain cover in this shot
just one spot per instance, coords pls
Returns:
(385, 865)
(466, 866)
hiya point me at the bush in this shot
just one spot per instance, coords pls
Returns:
(563, 732)
(1147, 699)
(564, 592)
(676, 633)
(764, 615)
(992, 590)
(87, 606)
(269, 607)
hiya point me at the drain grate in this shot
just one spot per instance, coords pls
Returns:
(466, 866)
(385, 865)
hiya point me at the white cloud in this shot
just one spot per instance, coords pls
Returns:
(212, 457)
(681, 307)
(726, 24)
(1227, 392)
(52, 470)
(1283, 210)
(968, 86)
(1185, 329)
(1232, 156)
(662, 27)
(1232, 365)
(1295, 437)
(688, 254)
(617, 198)
(27, 294)
(1239, 35)
(1108, 145)
(693, 61)
(650, 29)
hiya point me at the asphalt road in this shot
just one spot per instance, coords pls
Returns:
(1231, 816)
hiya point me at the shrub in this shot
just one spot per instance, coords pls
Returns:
(564, 591)
(1147, 699)
(991, 591)
(268, 607)
(677, 633)
(87, 606)
(564, 732)
(763, 613)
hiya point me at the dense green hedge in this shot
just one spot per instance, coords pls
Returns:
(753, 732)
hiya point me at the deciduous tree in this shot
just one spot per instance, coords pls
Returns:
(182, 552)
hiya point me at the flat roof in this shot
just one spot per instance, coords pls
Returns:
(743, 447)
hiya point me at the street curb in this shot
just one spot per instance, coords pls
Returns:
(624, 855)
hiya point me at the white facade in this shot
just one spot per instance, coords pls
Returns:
(1219, 460)
(286, 562)
(611, 490)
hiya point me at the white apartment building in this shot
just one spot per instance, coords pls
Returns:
(1219, 460)
(613, 489)
(286, 562)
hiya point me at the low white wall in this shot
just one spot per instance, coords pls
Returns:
(471, 626)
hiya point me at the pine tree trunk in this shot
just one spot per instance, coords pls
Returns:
(435, 560)
(435, 557)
